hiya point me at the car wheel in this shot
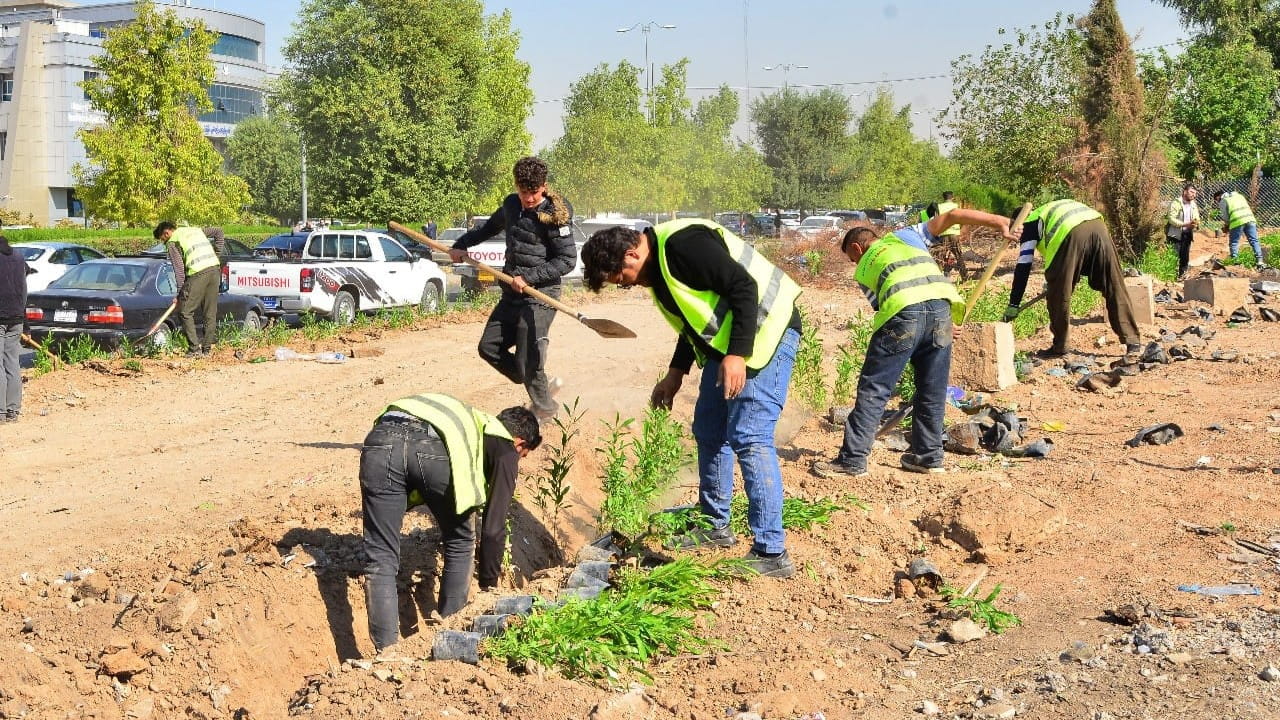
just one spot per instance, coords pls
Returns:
(431, 296)
(252, 322)
(160, 340)
(344, 308)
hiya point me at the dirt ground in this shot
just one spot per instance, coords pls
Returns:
(184, 542)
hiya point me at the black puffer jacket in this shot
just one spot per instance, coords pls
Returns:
(540, 245)
(13, 285)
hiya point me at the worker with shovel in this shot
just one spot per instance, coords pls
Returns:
(735, 313)
(194, 253)
(540, 250)
(435, 450)
(1073, 240)
(915, 307)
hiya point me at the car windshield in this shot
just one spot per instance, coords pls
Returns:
(450, 234)
(816, 222)
(101, 276)
(31, 253)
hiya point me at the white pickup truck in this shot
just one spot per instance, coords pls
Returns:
(341, 273)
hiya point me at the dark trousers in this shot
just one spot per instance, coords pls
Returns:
(395, 459)
(1087, 250)
(523, 324)
(921, 335)
(1183, 243)
(10, 369)
(199, 294)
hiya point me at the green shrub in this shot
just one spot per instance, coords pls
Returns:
(797, 513)
(807, 377)
(636, 471)
(1160, 261)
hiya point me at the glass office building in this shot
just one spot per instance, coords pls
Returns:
(46, 51)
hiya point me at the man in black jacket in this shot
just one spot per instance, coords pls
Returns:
(13, 313)
(540, 250)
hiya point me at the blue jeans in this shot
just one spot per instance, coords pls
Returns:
(1251, 231)
(743, 427)
(919, 334)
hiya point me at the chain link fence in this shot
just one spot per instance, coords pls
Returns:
(1263, 195)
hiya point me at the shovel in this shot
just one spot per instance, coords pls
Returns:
(991, 266)
(603, 327)
(57, 361)
(163, 316)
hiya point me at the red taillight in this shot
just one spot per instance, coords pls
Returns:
(110, 314)
(35, 314)
(307, 280)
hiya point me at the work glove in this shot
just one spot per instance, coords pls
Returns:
(1010, 313)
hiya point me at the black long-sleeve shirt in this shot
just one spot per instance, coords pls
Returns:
(698, 257)
(501, 462)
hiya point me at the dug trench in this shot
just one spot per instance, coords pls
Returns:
(216, 504)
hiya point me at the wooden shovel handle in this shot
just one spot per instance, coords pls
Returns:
(528, 290)
(993, 264)
(57, 361)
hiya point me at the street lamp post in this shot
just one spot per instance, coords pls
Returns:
(646, 28)
(785, 68)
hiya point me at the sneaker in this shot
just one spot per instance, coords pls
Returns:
(702, 537)
(195, 354)
(1050, 353)
(553, 386)
(775, 567)
(912, 463)
(835, 469)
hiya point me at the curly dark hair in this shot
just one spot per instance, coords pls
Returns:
(603, 253)
(166, 225)
(530, 172)
(523, 424)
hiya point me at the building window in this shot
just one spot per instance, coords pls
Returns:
(6, 87)
(75, 208)
(89, 75)
(4, 141)
(232, 104)
(236, 46)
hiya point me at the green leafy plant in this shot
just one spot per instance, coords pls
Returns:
(1160, 261)
(666, 525)
(981, 610)
(1228, 527)
(813, 261)
(806, 376)
(635, 471)
(797, 513)
(846, 363)
(614, 636)
(551, 487)
(79, 349)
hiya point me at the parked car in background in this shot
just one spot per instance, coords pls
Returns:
(113, 300)
(50, 260)
(446, 237)
(234, 250)
(341, 273)
(285, 245)
(790, 220)
(815, 226)
(847, 215)
(766, 223)
(741, 224)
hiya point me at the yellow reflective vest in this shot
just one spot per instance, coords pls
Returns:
(706, 312)
(1238, 210)
(1056, 220)
(900, 275)
(946, 207)
(197, 252)
(462, 428)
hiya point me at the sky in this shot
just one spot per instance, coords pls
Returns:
(853, 45)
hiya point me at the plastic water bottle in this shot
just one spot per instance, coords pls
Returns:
(332, 358)
(284, 353)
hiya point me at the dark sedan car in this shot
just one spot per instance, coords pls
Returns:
(285, 245)
(117, 299)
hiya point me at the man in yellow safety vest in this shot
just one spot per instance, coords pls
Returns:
(435, 450)
(735, 314)
(915, 307)
(1237, 217)
(198, 272)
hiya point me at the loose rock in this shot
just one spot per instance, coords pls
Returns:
(966, 630)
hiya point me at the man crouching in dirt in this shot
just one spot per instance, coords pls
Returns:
(435, 450)
(736, 315)
(915, 305)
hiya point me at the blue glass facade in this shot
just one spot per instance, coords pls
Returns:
(236, 46)
(232, 104)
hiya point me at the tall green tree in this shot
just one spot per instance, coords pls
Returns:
(1015, 118)
(1220, 106)
(408, 108)
(1234, 20)
(804, 137)
(266, 151)
(150, 160)
(1124, 166)
(722, 173)
(888, 164)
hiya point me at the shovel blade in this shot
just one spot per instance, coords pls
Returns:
(607, 328)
